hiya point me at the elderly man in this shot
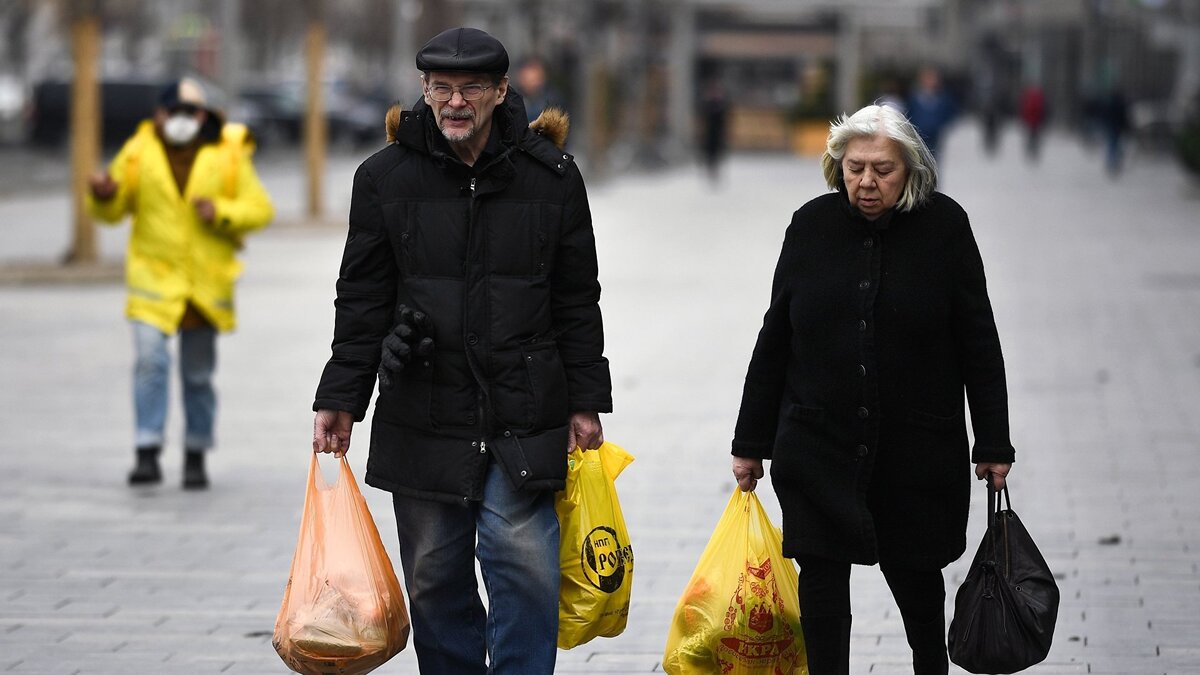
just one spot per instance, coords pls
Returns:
(469, 284)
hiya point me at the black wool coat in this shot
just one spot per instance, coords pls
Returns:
(855, 387)
(502, 258)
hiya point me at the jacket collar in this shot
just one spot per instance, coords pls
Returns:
(510, 132)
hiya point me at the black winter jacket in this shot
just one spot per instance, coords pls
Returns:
(855, 388)
(502, 258)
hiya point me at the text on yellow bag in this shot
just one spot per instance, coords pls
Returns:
(595, 552)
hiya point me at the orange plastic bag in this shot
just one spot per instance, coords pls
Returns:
(740, 612)
(595, 553)
(343, 611)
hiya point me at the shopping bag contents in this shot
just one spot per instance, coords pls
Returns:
(740, 612)
(342, 611)
(595, 552)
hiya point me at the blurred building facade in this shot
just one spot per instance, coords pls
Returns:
(631, 71)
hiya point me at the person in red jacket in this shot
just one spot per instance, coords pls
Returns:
(1033, 116)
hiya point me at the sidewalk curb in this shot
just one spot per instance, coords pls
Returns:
(48, 273)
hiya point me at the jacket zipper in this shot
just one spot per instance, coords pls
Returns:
(479, 397)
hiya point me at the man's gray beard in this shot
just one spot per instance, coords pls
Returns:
(465, 135)
(462, 138)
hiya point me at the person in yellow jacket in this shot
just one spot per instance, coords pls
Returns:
(187, 180)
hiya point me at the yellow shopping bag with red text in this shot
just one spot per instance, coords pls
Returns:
(740, 612)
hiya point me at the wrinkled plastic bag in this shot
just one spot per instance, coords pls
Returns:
(342, 611)
(740, 612)
(595, 552)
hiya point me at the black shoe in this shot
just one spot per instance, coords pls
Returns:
(146, 472)
(194, 477)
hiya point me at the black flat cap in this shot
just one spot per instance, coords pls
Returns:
(468, 50)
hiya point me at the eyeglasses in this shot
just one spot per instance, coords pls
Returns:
(444, 92)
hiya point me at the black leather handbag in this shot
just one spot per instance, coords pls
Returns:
(1005, 610)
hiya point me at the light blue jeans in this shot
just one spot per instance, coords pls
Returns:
(151, 379)
(514, 534)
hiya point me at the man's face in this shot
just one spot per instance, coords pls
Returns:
(461, 120)
(874, 171)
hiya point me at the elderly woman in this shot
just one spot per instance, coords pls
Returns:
(879, 320)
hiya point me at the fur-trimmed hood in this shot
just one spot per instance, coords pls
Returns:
(554, 124)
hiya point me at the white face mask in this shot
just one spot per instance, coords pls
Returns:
(181, 129)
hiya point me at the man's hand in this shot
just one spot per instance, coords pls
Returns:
(584, 431)
(102, 185)
(747, 471)
(205, 209)
(412, 335)
(998, 471)
(331, 431)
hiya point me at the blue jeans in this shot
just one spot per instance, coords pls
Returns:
(151, 366)
(514, 534)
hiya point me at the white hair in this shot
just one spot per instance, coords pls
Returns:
(875, 120)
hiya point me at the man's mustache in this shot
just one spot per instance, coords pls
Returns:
(467, 114)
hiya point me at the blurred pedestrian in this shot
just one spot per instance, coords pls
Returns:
(534, 87)
(931, 109)
(891, 94)
(187, 180)
(855, 387)
(714, 120)
(991, 106)
(469, 286)
(1033, 116)
(1113, 115)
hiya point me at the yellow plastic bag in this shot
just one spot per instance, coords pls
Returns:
(740, 612)
(342, 611)
(595, 552)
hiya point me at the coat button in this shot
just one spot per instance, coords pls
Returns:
(863, 413)
(862, 326)
(864, 284)
(868, 242)
(861, 451)
(507, 434)
(862, 371)
(524, 473)
(472, 339)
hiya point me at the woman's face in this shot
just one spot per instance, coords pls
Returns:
(875, 173)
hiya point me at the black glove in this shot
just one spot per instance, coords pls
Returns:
(410, 336)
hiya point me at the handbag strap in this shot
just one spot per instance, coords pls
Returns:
(997, 526)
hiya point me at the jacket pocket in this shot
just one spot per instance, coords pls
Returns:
(454, 401)
(547, 382)
(927, 449)
(409, 401)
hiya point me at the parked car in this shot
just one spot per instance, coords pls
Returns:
(275, 113)
(123, 104)
(14, 109)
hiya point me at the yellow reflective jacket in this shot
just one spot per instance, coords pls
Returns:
(173, 256)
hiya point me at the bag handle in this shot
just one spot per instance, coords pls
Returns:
(997, 500)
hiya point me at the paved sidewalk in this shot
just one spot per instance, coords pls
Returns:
(1096, 287)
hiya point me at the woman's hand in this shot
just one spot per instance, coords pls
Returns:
(747, 471)
(998, 471)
